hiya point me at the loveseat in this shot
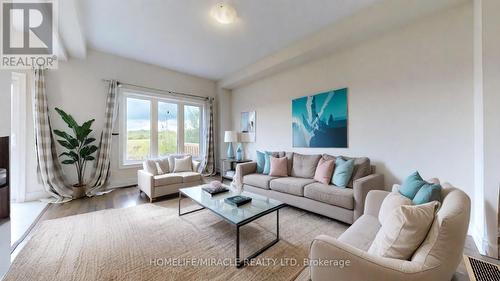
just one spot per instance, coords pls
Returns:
(299, 189)
(436, 259)
(159, 176)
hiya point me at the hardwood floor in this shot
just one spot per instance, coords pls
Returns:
(130, 196)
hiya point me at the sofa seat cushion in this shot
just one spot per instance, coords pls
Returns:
(258, 180)
(362, 233)
(167, 179)
(189, 176)
(290, 185)
(330, 194)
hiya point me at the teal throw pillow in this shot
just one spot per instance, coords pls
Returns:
(428, 192)
(261, 161)
(343, 172)
(267, 164)
(411, 185)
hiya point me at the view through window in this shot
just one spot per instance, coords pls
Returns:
(156, 127)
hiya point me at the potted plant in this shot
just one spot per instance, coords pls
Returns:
(79, 149)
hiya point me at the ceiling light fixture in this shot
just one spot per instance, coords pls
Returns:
(224, 13)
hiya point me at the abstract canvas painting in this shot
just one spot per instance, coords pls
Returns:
(320, 120)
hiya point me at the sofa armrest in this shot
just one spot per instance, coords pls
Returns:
(242, 170)
(196, 166)
(145, 182)
(247, 168)
(373, 201)
(358, 264)
(361, 188)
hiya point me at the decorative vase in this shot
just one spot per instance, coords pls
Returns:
(239, 153)
(78, 191)
(230, 153)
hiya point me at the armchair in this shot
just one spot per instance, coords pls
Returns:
(435, 260)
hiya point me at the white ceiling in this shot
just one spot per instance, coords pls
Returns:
(181, 35)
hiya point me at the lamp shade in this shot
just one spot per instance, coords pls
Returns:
(230, 136)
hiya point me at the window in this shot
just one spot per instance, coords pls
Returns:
(167, 128)
(156, 126)
(138, 129)
(192, 120)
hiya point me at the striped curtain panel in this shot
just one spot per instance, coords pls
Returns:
(208, 163)
(49, 169)
(102, 163)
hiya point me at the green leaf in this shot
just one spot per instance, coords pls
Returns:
(88, 141)
(90, 158)
(87, 150)
(71, 155)
(84, 130)
(70, 121)
(63, 135)
(68, 162)
(67, 144)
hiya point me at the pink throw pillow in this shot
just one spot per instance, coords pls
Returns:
(279, 167)
(324, 171)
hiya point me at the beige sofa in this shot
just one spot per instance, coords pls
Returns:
(157, 185)
(435, 260)
(299, 189)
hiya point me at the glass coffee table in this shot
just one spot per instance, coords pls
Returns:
(237, 216)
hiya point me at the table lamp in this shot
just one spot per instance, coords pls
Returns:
(230, 137)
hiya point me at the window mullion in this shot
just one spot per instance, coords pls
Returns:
(180, 126)
(154, 128)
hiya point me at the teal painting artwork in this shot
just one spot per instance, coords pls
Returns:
(320, 120)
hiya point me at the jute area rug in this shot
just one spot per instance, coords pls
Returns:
(150, 242)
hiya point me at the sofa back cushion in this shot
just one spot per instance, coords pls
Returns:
(362, 168)
(289, 158)
(171, 160)
(304, 166)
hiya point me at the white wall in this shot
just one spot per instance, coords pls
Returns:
(410, 100)
(491, 99)
(77, 88)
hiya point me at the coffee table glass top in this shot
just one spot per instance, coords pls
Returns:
(258, 206)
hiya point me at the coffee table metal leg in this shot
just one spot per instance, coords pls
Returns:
(180, 198)
(238, 246)
(261, 250)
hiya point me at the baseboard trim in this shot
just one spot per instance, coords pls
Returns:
(36, 195)
(475, 232)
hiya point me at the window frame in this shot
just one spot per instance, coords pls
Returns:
(155, 98)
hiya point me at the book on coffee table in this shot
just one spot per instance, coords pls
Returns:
(237, 200)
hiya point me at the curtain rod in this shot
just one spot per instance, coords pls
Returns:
(158, 90)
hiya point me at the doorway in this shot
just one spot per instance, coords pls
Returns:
(24, 211)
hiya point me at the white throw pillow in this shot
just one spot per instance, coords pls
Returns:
(183, 165)
(391, 202)
(162, 166)
(150, 167)
(404, 230)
